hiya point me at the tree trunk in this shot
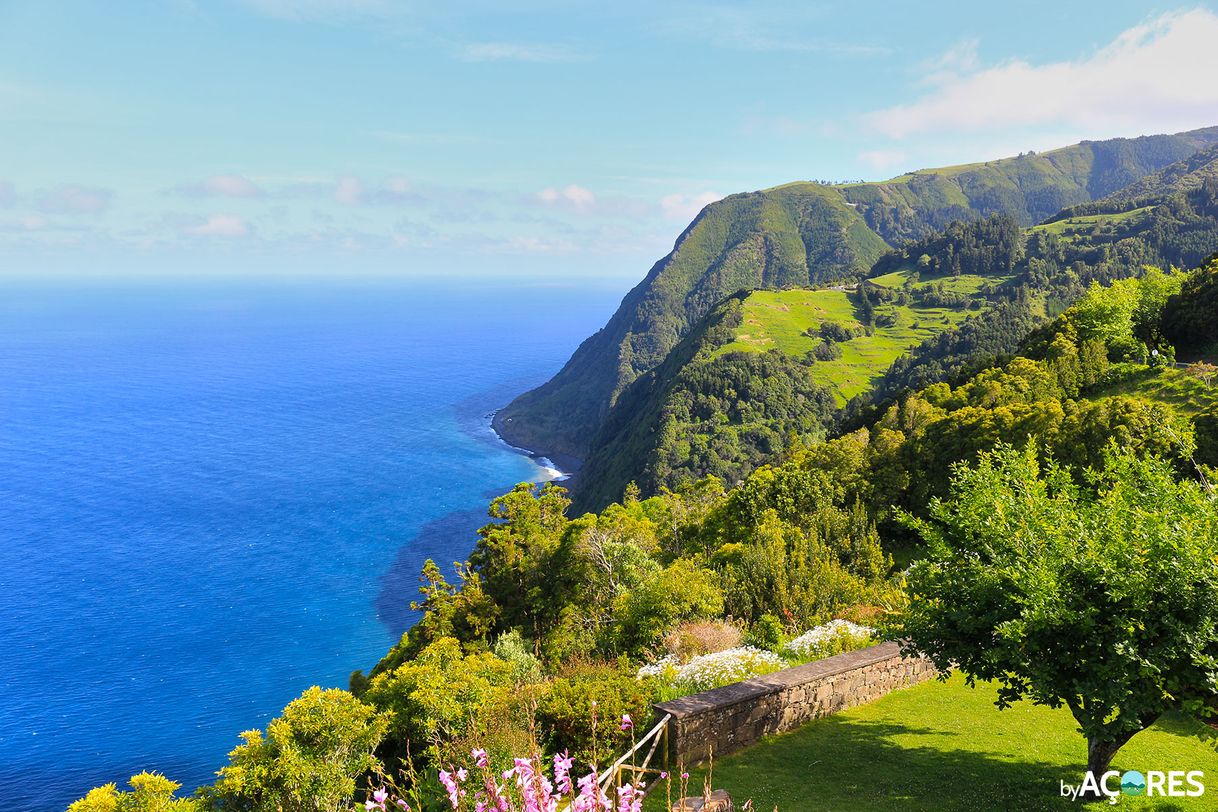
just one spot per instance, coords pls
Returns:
(1099, 759)
(1100, 753)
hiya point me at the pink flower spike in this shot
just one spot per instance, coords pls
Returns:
(627, 722)
(479, 756)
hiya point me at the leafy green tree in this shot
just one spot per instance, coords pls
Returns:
(307, 761)
(150, 792)
(1103, 599)
(513, 555)
(680, 591)
(441, 694)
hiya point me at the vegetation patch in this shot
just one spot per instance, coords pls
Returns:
(945, 746)
(790, 321)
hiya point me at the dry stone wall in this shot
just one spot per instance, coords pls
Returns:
(735, 716)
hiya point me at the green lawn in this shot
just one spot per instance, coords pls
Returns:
(778, 319)
(944, 746)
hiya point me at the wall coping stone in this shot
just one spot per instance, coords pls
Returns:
(756, 687)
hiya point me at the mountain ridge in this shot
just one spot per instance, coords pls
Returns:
(803, 234)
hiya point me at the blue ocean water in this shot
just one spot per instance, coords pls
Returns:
(214, 495)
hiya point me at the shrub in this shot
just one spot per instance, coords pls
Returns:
(711, 670)
(512, 647)
(569, 720)
(767, 632)
(828, 639)
(701, 637)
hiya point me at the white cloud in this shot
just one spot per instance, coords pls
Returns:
(515, 52)
(220, 225)
(73, 199)
(1155, 77)
(573, 196)
(883, 158)
(349, 191)
(686, 207)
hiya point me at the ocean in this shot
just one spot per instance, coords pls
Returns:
(216, 494)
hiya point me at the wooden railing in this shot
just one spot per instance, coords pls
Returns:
(657, 737)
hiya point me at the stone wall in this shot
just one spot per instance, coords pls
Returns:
(735, 716)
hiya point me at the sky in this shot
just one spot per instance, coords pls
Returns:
(539, 139)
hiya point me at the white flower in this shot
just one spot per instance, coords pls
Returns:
(725, 667)
(829, 638)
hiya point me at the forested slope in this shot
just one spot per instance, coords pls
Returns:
(809, 234)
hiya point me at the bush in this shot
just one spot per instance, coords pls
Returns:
(767, 632)
(710, 670)
(566, 713)
(701, 637)
(512, 647)
(827, 351)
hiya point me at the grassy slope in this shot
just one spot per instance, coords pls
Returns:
(1070, 227)
(779, 319)
(1174, 387)
(944, 746)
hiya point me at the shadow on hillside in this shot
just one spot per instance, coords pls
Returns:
(447, 539)
(849, 764)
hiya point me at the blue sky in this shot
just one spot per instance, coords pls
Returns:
(524, 138)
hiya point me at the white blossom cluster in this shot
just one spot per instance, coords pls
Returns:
(714, 670)
(833, 637)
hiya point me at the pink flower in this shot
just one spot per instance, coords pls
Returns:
(684, 776)
(479, 757)
(627, 722)
(663, 776)
(462, 774)
(562, 772)
(454, 792)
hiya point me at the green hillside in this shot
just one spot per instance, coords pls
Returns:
(789, 321)
(936, 310)
(806, 234)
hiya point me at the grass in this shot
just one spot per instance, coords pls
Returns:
(1172, 386)
(779, 320)
(944, 746)
(1077, 225)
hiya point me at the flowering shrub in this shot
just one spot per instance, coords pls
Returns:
(712, 670)
(524, 787)
(828, 639)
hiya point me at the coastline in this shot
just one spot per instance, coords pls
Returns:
(555, 467)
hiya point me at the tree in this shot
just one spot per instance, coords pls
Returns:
(308, 760)
(1102, 598)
